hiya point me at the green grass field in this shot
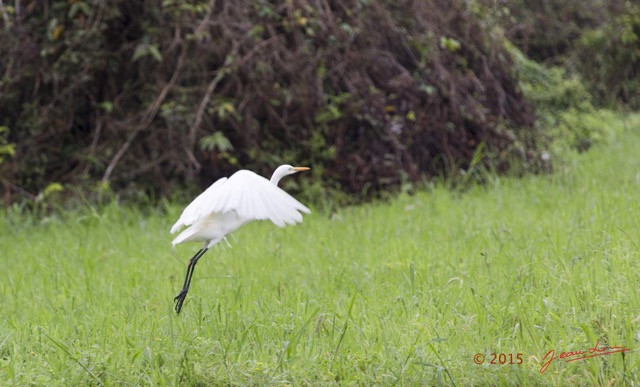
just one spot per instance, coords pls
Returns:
(404, 293)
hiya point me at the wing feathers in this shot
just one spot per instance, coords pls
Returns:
(251, 196)
(192, 213)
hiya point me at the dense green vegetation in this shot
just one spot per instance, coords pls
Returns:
(145, 98)
(405, 292)
(598, 40)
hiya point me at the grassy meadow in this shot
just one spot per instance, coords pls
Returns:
(406, 292)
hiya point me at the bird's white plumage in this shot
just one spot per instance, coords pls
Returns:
(230, 203)
(196, 208)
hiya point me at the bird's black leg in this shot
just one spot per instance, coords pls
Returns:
(187, 279)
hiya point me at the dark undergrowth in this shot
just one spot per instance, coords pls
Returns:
(143, 98)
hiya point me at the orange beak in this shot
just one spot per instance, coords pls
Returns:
(301, 169)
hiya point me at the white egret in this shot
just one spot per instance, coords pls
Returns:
(228, 205)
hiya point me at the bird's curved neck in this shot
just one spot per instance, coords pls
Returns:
(275, 178)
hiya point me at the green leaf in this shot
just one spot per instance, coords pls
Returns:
(155, 52)
(52, 188)
(106, 106)
(217, 141)
(145, 49)
(79, 6)
(450, 44)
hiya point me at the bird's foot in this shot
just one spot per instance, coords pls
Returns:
(180, 299)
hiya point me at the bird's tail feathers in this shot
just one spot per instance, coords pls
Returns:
(176, 227)
(183, 236)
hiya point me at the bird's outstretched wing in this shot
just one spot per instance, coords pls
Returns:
(250, 195)
(197, 207)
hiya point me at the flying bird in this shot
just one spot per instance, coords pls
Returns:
(229, 204)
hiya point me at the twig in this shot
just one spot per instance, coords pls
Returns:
(18, 188)
(203, 104)
(153, 110)
(5, 15)
(148, 116)
(192, 157)
(220, 73)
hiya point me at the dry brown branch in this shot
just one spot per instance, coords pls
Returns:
(148, 116)
(220, 74)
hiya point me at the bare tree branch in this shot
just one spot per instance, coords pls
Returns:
(220, 73)
(148, 116)
(5, 15)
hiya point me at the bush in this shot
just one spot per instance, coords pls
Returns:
(148, 96)
(597, 39)
(547, 30)
(608, 58)
(564, 107)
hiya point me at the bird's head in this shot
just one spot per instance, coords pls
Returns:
(285, 170)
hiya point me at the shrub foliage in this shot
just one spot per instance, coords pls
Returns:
(599, 40)
(151, 95)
